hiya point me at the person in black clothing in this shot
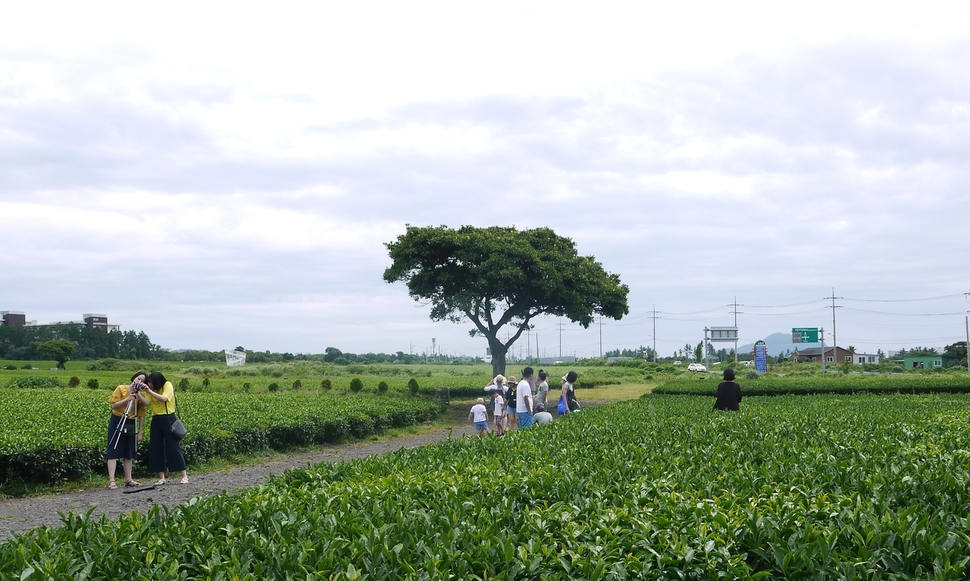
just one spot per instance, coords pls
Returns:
(728, 393)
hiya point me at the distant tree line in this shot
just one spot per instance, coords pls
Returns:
(34, 342)
(21, 342)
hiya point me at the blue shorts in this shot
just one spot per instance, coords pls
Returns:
(481, 426)
(525, 419)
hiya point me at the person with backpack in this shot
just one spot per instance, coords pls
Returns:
(569, 392)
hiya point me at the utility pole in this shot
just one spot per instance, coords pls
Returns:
(601, 336)
(835, 341)
(707, 362)
(821, 336)
(560, 337)
(653, 315)
(735, 306)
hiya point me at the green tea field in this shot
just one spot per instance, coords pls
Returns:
(822, 487)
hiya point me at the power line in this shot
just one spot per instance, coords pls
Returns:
(781, 306)
(904, 314)
(909, 300)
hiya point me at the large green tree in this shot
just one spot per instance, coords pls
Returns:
(59, 350)
(500, 276)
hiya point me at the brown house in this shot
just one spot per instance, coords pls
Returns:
(832, 355)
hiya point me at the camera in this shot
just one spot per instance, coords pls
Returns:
(138, 386)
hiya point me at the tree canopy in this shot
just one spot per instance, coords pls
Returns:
(500, 276)
(59, 350)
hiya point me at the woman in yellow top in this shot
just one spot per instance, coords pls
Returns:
(163, 449)
(125, 426)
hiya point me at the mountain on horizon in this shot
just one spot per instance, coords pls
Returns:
(778, 344)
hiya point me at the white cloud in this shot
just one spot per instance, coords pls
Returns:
(258, 160)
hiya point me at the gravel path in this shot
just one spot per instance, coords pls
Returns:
(22, 514)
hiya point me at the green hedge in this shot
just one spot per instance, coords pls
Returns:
(47, 440)
(822, 384)
(824, 487)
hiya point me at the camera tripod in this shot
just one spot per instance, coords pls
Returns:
(120, 429)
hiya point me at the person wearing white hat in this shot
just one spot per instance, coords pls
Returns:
(479, 415)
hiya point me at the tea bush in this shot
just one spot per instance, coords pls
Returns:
(821, 487)
(831, 384)
(34, 434)
(33, 381)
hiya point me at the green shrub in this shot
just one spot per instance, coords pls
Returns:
(274, 387)
(297, 384)
(108, 365)
(752, 375)
(184, 385)
(413, 386)
(325, 384)
(356, 385)
(31, 381)
(27, 366)
(382, 387)
(74, 381)
(93, 383)
(10, 367)
(247, 387)
(205, 382)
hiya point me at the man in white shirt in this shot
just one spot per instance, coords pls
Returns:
(523, 399)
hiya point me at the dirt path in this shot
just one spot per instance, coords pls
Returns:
(22, 514)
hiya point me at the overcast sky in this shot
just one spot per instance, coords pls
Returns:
(223, 175)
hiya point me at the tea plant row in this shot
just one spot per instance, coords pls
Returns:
(706, 384)
(821, 487)
(56, 434)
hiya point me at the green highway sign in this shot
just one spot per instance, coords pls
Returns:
(804, 335)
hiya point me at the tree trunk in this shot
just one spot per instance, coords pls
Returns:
(498, 350)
